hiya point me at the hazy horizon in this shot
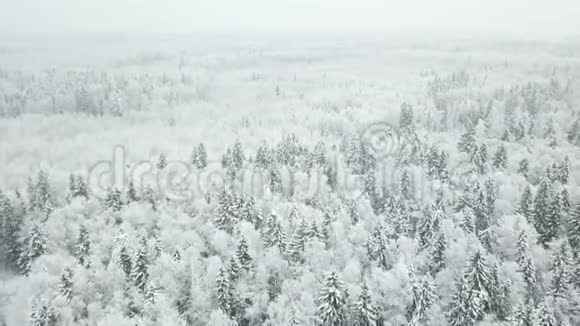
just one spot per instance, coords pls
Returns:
(448, 18)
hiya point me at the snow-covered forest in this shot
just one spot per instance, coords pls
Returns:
(289, 182)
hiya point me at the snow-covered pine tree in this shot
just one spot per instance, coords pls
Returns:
(352, 210)
(365, 310)
(238, 156)
(132, 193)
(424, 295)
(332, 302)
(234, 269)
(83, 247)
(499, 303)
(466, 142)
(526, 206)
(243, 256)
(275, 180)
(319, 154)
(125, 262)
(468, 220)
(561, 274)
(378, 250)
(545, 316)
(564, 170)
(526, 263)
(66, 284)
(574, 231)
(161, 161)
(274, 235)
(549, 225)
(438, 254)
(223, 291)
(472, 296)
(34, 247)
(201, 157)
(500, 158)
(428, 227)
(263, 158)
(542, 204)
(479, 158)
(406, 119)
(42, 314)
(298, 241)
(228, 209)
(113, 200)
(149, 197)
(140, 272)
(11, 225)
(406, 189)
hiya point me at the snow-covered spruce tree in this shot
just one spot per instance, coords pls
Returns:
(34, 247)
(140, 272)
(200, 157)
(471, 300)
(544, 316)
(113, 200)
(319, 154)
(479, 159)
(352, 210)
(378, 250)
(185, 299)
(424, 295)
(234, 269)
(124, 261)
(223, 292)
(561, 274)
(274, 235)
(161, 161)
(574, 231)
(83, 247)
(500, 158)
(565, 201)
(564, 170)
(228, 209)
(298, 241)
(526, 206)
(372, 192)
(406, 188)
(275, 180)
(244, 258)
(238, 156)
(132, 193)
(468, 220)
(466, 143)
(11, 226)
(428, 227)
(149, 197)
(406, 119)
(438, 254)
(42, 314)
(263, 157)
(66, 284)
(542, 206)
(332, 302)
(365, 310)
(526, 264)
(553, 224)
(499, 303)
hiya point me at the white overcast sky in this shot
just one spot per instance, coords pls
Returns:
(521, 18)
